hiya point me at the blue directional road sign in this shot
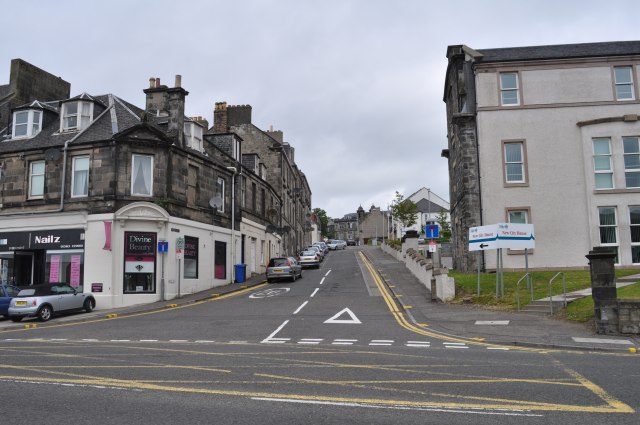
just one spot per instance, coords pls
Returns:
(431, 231)
(163, 246)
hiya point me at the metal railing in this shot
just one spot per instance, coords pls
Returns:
(529, 285)
(564, 291)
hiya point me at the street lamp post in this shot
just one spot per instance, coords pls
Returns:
(233, 222)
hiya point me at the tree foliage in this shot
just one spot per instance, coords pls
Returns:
(404, 210)
(323, 220)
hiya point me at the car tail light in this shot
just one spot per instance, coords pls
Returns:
(289, 263)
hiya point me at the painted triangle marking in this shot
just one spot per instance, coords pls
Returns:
(353, 319)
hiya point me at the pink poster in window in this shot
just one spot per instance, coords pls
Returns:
(75, 270)
(54, 269)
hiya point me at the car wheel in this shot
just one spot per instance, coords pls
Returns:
(88, 305)
(45, 313)
(16, 319)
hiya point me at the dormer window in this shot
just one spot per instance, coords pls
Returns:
(26, 123)
(193, 136)
(76, 115)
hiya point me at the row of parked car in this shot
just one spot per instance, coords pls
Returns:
(43, 301)
(290, 268)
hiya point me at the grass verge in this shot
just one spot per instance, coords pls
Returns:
(574, 280)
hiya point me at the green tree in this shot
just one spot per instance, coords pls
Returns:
(323, 220)
(404, 210)
(445, 227)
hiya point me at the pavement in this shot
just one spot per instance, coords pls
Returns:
(465, 321)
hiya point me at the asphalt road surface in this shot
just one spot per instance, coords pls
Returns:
(330, 348)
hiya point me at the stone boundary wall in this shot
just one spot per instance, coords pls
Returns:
(629, 317)
(436, 280)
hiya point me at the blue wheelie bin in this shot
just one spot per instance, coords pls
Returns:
(240, 272)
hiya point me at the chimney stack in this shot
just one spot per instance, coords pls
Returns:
(220, 118)
(168, 102)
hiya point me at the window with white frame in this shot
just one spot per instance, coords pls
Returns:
(220, 192)
(80, 176)
(514, 165)
(634, 222)
(509, 88)
(36, 179)
(76, 115)
(518, 216)
(607, 226)
(624, 82)
(631, 161)
(193, 136)
(142, 175)
(26, 123)
(602, 163)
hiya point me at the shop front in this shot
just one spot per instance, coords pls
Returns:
(45, 256)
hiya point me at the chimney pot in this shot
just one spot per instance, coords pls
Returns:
(152, 82)
(178, 80)
(157, 82)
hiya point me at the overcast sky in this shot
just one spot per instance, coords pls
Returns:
(355, 85)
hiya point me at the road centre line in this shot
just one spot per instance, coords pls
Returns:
(322, 281)
(327, 274)
(301, 307)
(314, 292)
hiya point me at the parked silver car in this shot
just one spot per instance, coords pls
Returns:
(283, 268)
(44, 301)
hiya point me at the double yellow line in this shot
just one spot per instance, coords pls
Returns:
(399, 314)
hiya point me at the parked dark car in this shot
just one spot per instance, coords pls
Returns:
(6, 293)
(351, 242)
(44, 301)
(283, 268)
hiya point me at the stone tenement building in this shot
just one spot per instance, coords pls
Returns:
(293, 212)
(549, 136)
(135, 205)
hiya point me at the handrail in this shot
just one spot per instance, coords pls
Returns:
(564, 290)
(518, 289)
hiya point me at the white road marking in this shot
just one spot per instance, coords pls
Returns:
(425, 344)
(343, 341)
(498, 348)
(353, 320)
(87, 340)
(603, 341)
(321, 281)
(492, 322)
(272, 292)
(502, 412)
(311, 341)
(381, 342)
(327, 273)
(301, 307)
(178, 340)
(454, 343)
(120, 340)
(314, 292)
(204, 341)
(276, 331)
(148, 340)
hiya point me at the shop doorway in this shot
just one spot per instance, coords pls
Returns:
(28, 267)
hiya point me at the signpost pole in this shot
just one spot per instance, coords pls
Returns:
(478, 261)
(497, 271)
(501, 273)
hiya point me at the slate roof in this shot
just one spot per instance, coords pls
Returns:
(561, 51)
(104, 126)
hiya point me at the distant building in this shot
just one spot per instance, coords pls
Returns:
(430, 206)
(373, 225)
(547, 135)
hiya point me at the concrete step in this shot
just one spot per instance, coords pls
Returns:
(542, 307)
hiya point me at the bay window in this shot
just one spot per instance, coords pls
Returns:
(26, 123)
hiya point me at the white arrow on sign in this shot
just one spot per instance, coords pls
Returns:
(353, 319)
